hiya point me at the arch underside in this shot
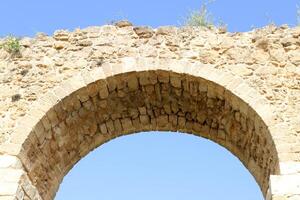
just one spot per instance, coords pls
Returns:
(145, 101)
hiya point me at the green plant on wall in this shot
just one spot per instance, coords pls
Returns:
(200, 18)
(11, 44)
(203, 18)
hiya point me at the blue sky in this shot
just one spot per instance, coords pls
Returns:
(150, 165)
(31, 16)
(159, 166)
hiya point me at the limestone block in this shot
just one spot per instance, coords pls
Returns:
(162, 120)
(8, 197)
(143, 32)
(7, 189)
(240, 90)
(175, 81)
(103, 128)
(123, 23)
(103, 91)
(285, 184)
(126, 124)
(7, 161)
(117, 125)
(133, 83)
(289, 167)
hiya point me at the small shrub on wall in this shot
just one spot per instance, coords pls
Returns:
(12, 45)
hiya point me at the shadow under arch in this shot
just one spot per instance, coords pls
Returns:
(119, 99)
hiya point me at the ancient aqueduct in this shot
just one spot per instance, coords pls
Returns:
(67, 94)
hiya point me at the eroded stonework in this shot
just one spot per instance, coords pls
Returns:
(68, 94)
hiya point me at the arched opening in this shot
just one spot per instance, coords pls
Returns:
(98, 106)
(159, 165)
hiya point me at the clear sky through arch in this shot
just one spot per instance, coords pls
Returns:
(26, 18)
(160, 166)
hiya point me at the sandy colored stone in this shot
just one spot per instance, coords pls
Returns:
(88, 86)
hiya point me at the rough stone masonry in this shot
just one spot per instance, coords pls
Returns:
(66, 94)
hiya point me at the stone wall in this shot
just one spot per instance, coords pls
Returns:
(67, 94)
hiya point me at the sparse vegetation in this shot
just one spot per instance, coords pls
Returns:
(11, 45)
(203, 18)
(200, 18)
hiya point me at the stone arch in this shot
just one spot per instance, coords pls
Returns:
(142, 95)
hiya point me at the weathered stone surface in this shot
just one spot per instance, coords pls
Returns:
(240, 90)
(143, 32)
(123, 23)
(286, 185)
(7, 161)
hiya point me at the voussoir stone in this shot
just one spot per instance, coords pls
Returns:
(64, 95)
